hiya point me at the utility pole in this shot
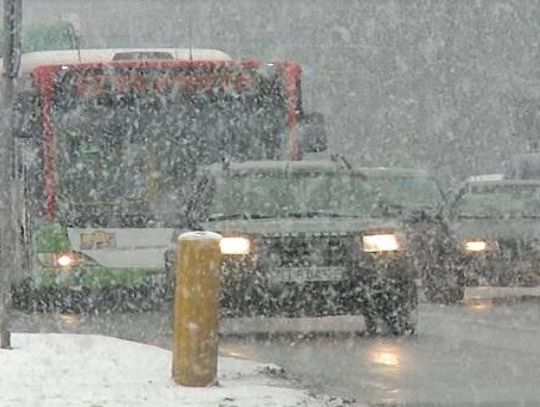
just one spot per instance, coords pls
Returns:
(8, 234)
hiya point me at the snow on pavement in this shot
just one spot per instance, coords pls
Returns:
(98, 371)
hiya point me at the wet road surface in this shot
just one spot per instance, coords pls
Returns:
(463, 355)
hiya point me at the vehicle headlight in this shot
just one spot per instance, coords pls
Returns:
(479, 245)
(62, 259)
(235, 245)
(389, 242)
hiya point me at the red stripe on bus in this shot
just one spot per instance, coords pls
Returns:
(45, 80)
(291, 73)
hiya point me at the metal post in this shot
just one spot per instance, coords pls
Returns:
(12, 50)
(196, 302)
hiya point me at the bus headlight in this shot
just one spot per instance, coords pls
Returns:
(388, 242)
(63, 259)
(235, 245)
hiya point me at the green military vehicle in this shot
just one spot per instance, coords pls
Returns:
(497, 225)
(307, 239)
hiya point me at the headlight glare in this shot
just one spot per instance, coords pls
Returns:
(478, 245)
(234, 245)
(65, 260)
(389, 242)
(62, 260)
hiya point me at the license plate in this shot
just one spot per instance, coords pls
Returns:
(305, 274)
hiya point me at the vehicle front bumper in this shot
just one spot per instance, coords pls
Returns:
(248, 289)
(496, 271)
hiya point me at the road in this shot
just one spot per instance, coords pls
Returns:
(462, 355)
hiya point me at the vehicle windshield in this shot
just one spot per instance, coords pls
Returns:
(502, 201)
(133, 144)
(281, 195)
(408, 192)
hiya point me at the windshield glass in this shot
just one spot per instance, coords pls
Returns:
(293, 194)
(409, 192)
(500, 201)
(131, 143)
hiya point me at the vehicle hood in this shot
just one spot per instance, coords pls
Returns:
(311, 225)
(497, 228)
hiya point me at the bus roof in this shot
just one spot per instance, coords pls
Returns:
(32, 60)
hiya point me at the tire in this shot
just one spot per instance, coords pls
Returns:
(372, 322)
(403, 318)
(392, 311)
(404, 324)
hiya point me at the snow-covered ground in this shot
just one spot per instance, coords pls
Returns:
(59, 370)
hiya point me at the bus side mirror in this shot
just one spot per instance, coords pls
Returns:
(313, 133)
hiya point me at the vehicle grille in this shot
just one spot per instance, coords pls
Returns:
(520, 250)
(305, 250)
(520, 265)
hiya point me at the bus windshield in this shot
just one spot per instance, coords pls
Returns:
(130, 136)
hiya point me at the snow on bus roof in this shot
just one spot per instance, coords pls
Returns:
(32, 60)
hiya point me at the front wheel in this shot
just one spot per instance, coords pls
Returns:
(404, 323)
(404, 317)
(393, 311)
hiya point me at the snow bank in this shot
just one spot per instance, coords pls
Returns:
(60, 370)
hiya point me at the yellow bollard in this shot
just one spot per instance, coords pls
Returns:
(196, 304)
